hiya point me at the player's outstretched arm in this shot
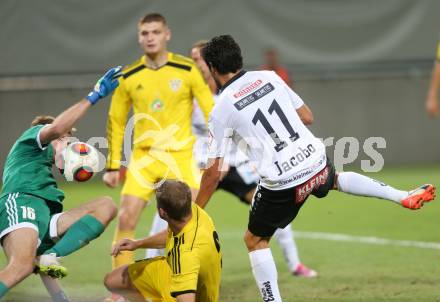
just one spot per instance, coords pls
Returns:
(209, 183)
(156, 241)
(64, 122)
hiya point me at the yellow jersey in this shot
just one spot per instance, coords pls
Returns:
(162, 103)
(195, 259)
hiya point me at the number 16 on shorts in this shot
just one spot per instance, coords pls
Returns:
(28, 213)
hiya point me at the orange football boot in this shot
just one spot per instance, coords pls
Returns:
(416, 198)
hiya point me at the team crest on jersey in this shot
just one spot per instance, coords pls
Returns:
(157, 105)
(175, 84)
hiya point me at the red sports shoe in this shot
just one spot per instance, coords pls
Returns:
(416, 198)
(305, 272)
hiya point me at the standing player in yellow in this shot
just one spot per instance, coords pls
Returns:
(191, 270)
(432, 100)
(160, 87)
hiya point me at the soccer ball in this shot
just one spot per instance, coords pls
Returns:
(80, 162)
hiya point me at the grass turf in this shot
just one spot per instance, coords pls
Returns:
(347, 271)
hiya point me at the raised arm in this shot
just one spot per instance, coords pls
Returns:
(64, 122)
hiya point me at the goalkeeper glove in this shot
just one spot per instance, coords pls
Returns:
(105, 85)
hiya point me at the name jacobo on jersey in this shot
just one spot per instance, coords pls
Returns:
(257, 112)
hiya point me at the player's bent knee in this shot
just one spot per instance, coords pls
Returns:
(106, 206)
(108, 281)
(106, 201)
(22, 270)
(254, 242)
(117, 281)
(111, 207)
(250, 240)
(112, 282)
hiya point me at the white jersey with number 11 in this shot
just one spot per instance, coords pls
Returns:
(257, 112)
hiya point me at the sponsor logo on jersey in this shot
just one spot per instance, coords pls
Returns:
(248, 89)
(175, 84)
(157, 105)
(266, 292)
(305, 189)
(254, 96)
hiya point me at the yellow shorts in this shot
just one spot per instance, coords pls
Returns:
(152, 279)
(148, 168)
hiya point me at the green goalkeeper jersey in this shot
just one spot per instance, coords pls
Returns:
(28, 168)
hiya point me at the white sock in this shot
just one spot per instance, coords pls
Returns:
(265, 274)
(357, 184)
(157, 226)
(285, 240)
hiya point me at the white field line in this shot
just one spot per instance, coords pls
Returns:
(367, 240)
(350, 238)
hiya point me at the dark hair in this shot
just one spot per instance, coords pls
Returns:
(174, 197)
(153, 17)
(223, 54)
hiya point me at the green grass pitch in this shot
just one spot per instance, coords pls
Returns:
(348, 271)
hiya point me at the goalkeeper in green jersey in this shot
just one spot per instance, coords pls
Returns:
(34, 230)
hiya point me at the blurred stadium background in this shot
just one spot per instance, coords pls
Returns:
(362, 66)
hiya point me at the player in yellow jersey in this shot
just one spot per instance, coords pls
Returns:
(432, 100)
(160, 88)
(190, 271)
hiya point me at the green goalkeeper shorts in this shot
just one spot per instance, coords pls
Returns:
(20, 210)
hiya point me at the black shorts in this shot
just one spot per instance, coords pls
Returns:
(271, 209)
(234, 184)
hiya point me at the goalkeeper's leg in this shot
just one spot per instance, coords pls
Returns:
(77, 227)
(20, 247)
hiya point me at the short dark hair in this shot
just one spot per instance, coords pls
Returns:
(223, 54)
(174, 197)
(153, 17)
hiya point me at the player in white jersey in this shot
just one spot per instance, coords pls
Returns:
(239, 179)
(260, 113)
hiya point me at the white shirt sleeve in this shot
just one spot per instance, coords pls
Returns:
(296, 100)
(38, 139)
(219, 137)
